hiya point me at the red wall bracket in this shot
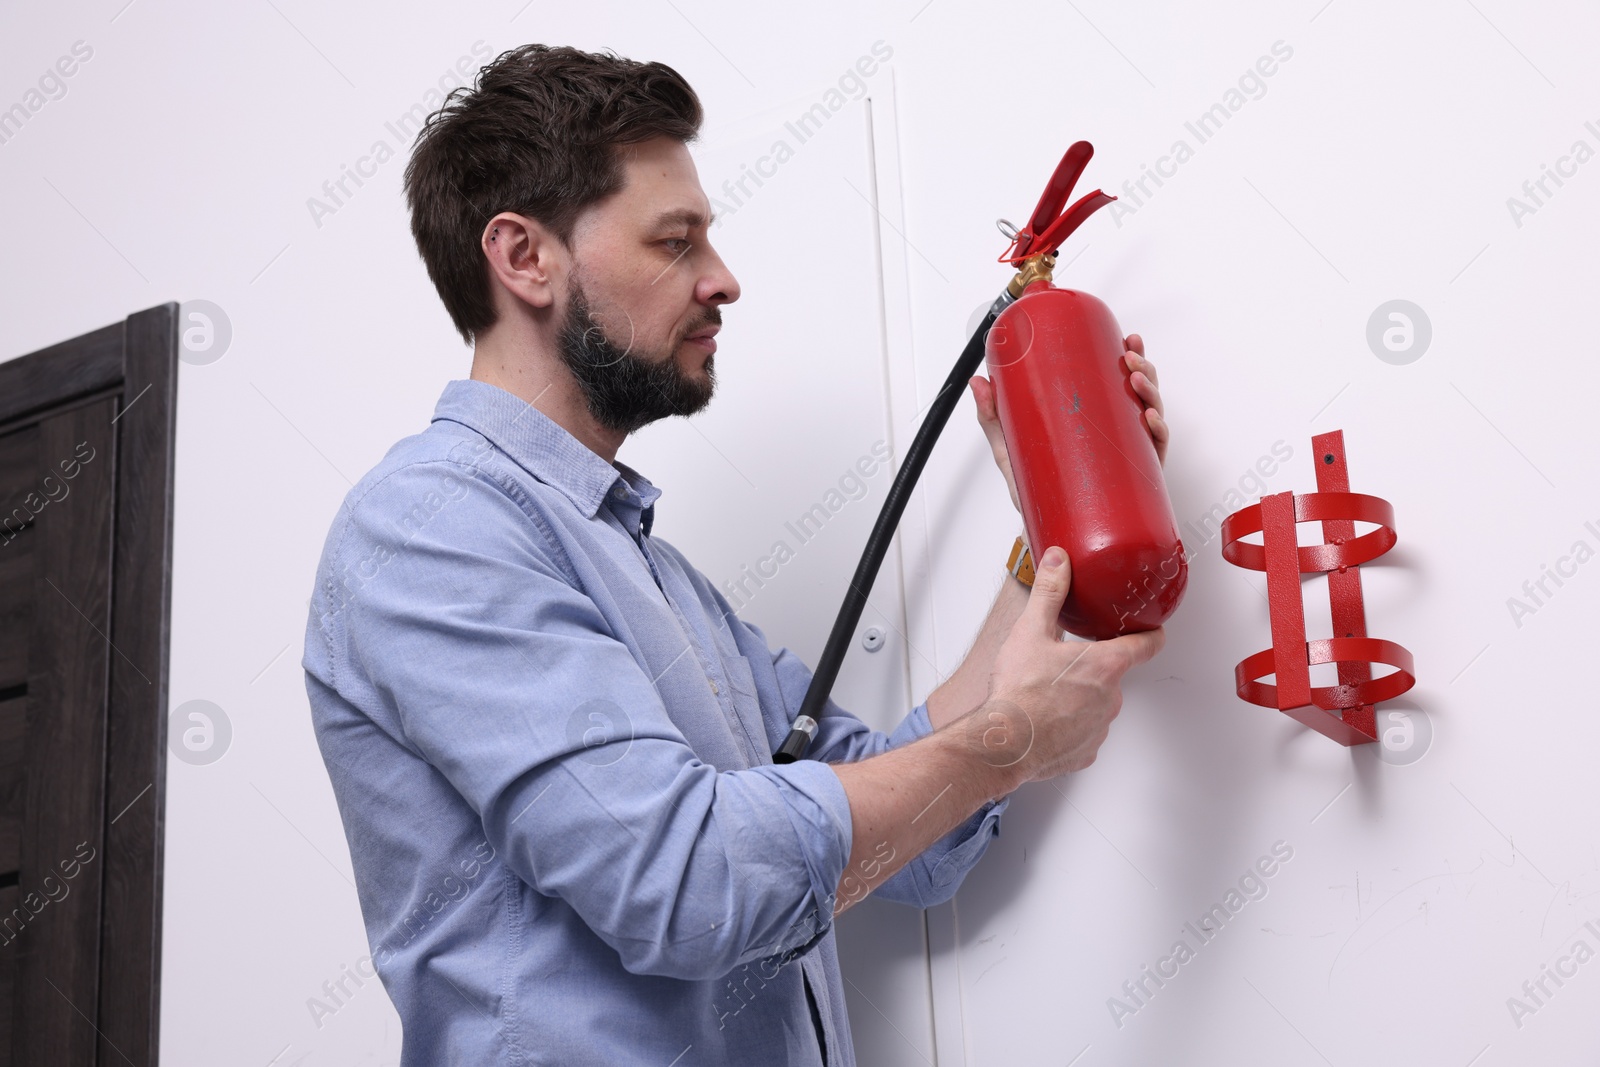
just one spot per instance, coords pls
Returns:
(1343, 712)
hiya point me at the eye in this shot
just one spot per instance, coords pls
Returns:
(684, 241)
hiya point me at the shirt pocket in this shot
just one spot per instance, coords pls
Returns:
(747, 707)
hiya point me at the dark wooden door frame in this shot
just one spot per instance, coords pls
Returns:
(135, 360)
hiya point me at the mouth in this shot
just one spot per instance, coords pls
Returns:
(706, 338)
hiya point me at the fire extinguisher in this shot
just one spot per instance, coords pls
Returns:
(1085, 467)
(1087, 473)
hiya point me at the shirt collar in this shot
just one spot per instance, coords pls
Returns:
(544, 448)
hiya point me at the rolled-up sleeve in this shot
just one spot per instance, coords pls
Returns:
(506, 679)
(935, 875)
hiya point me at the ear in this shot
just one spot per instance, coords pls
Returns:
(524, 257)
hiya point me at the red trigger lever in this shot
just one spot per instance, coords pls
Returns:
(1045, 231)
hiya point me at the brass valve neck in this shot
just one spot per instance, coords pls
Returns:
(1033, 269)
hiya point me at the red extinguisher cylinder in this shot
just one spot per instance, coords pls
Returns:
(1086, 469)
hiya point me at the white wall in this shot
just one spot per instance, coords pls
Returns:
(1375, 166)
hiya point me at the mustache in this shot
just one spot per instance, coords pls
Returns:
(714, 319)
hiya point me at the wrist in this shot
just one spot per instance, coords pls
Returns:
(994, 739)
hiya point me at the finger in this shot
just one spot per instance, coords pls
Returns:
(1160, 435)
(983, 397)
(1159, 430)
(1134, 342)
(1137, 362)
(989, 418)
(1052, 577)
(1134, 649)
(1147, 391)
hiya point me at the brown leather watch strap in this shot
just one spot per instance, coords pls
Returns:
(1021, 562)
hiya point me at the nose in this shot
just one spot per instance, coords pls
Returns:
(718, 286)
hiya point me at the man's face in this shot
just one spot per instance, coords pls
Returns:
(645, 288)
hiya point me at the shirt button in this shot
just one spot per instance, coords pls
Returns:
(619, 492)
(713, 682)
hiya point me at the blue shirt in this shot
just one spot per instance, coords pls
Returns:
(550, 740)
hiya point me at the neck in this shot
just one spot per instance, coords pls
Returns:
(542, 380)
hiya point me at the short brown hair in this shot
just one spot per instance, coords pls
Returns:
(537, 134)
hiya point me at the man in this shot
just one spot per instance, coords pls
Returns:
(548, 734)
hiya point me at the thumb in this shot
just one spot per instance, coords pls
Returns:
(1052, 578)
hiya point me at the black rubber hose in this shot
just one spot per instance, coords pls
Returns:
(827, 672)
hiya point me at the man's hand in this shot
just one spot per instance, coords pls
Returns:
(1049, 706)
(989, 419)
(1051, 702)
(1144, 384)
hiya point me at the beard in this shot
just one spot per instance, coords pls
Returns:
(625, 390)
